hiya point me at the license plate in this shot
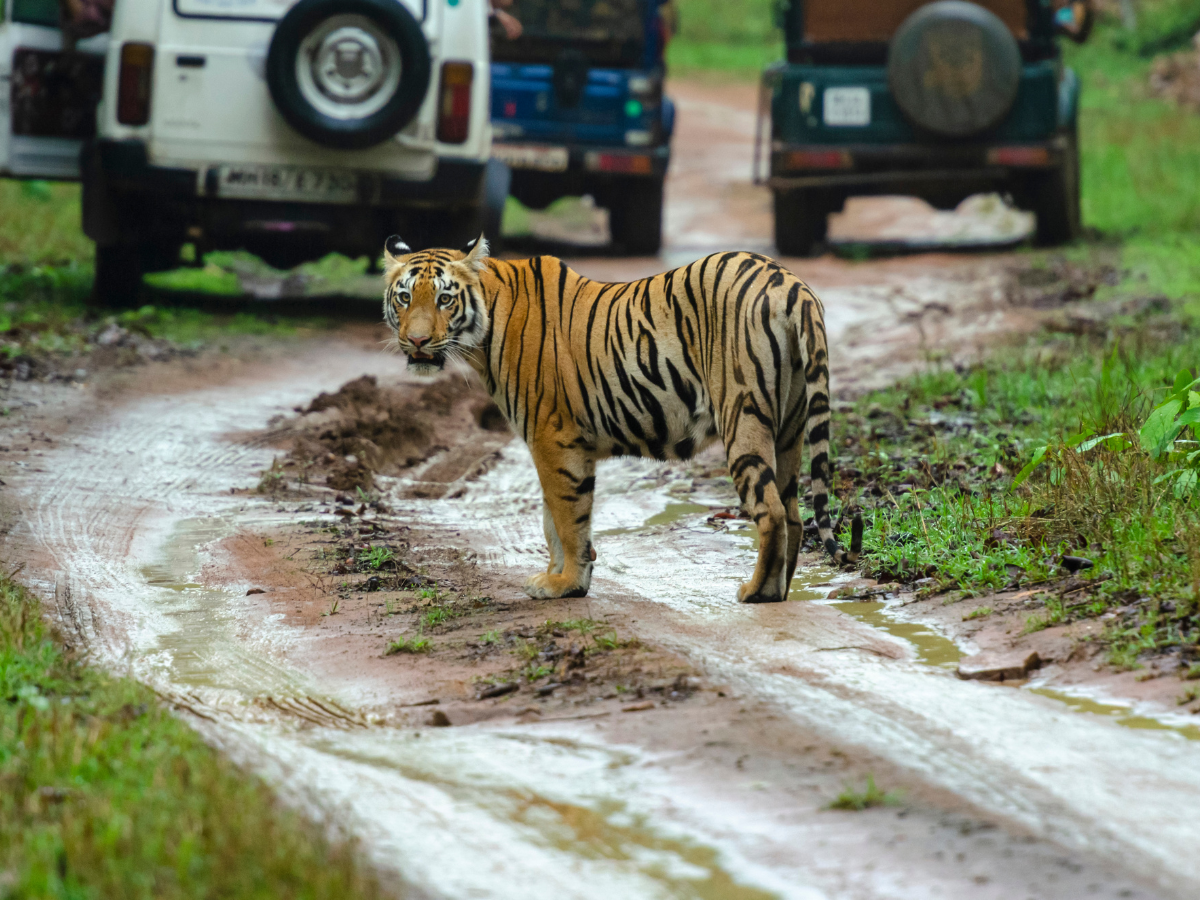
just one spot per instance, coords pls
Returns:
(532, 156)
(287, 183)
(847, 106)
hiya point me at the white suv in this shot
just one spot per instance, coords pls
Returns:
(287, 128)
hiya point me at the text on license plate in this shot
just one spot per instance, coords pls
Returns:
(287, 183)
(847, 106)
(532, 156)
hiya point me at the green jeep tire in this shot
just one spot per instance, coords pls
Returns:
(802, 219)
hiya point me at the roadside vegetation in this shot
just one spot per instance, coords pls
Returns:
(1069, 466)
(103, 793)
(715, 35)
(48, 328)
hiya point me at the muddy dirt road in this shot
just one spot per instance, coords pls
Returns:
(128, 500)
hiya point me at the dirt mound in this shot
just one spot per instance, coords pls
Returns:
(346, 438)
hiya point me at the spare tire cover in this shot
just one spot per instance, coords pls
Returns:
(348, 73)
(954, 68)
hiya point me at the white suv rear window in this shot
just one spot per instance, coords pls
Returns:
(259, 10)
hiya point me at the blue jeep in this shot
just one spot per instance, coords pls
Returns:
(578, 108)
(936, 100)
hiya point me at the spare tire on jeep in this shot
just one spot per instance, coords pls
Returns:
(954, 68)
(348, 74)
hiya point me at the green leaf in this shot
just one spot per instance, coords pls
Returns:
(1118, 443)
(1186, 483)
(1183, 381)
(1159, 429)
(1038, 455)
(1092, 442)
(1076, 439)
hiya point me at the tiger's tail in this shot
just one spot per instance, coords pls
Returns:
(817, 435)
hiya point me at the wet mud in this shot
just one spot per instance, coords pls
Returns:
(209, 525)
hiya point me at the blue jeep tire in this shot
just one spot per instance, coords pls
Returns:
(635, 212)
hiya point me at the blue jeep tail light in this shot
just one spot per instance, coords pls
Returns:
(624, 163)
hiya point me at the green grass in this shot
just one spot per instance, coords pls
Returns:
(103, 793)
(376, 557)
(1162, 25)
(854, 800)
(713, 35)
(40, 224)
(1140, 156)
(932, 461)
(414, 644)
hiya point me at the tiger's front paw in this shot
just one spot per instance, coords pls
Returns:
(545, 586)
(752, 593)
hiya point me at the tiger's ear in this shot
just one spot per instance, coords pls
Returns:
(477, 252)
(394, 248)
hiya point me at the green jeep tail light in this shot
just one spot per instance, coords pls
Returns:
(1019, 156)
(454, 106)
(819, 159)
(133, 90)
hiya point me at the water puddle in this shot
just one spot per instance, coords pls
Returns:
(607, 836)
(672, 513)
(207, 645)
(932, 648)
(1119, 714)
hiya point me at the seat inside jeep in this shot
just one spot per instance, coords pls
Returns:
(607, 32)
(875, 21)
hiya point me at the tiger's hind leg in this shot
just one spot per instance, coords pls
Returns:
(789, 447)
(789, 465)
(752, 465)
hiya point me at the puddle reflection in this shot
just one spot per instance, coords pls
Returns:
(1119, 714)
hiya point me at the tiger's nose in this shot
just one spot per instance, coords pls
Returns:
(418, 339)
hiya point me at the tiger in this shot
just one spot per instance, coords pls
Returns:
(732, 346)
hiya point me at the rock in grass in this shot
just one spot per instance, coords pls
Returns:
(1075, 563)
(999, 665)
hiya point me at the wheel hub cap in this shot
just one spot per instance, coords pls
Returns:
(348, 67)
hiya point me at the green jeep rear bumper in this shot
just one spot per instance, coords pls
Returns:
(887, 155)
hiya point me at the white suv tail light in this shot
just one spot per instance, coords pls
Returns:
(454, 102)
(133, 88)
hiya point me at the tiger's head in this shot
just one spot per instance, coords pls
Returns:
(433, 301)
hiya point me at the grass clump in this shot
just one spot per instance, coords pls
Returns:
(103, 793)
(981, 613)
(855, 800)
(417, 643)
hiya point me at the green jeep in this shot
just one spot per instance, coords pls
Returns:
(936, 100)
